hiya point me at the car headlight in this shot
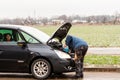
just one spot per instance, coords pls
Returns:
(62, 54)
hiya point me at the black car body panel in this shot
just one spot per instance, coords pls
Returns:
(13, 58)
(58, 64)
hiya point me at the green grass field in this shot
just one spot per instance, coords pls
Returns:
(102, 59)
(95, 35)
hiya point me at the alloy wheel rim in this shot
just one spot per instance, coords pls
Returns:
(40, 68)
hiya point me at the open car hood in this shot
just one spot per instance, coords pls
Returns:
(61, 32)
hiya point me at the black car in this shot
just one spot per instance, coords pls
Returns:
(32, 51)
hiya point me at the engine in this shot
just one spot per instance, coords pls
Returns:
(55, 45)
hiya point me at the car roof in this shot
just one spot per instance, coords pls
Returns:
(9, 26)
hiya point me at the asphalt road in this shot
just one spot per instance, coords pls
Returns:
(66, 76)
(108, 51)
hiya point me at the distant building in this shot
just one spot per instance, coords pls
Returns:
(79, 21)
(92, 22)
(56, 22)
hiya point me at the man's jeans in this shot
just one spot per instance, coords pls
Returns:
(80, 52)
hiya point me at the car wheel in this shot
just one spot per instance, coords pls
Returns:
(41, 69)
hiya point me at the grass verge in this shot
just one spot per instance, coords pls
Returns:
(102, 59)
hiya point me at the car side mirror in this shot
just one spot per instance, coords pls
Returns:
(21, 44)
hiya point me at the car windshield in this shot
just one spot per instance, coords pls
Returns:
(41, 36)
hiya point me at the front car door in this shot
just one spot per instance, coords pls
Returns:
(12, 56)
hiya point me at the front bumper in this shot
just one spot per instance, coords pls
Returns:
(64, 65)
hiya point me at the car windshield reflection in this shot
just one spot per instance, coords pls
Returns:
(41, 36)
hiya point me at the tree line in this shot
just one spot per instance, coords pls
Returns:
(75, 19)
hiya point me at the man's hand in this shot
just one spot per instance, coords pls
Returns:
(75, 57)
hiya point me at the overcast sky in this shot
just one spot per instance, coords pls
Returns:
(49, 8)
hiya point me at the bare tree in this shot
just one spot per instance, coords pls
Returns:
(116, 18)
(44, 20)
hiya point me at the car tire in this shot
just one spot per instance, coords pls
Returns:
(41, 69)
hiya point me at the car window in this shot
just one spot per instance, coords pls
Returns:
(6, 35)
(13, 35)
(3, 31)
(29, 38)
